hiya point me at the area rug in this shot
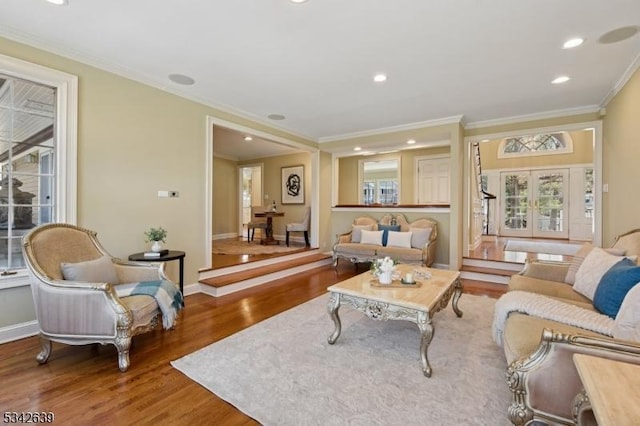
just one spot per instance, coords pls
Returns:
(253, 247)
(282, 371)
(564, 249)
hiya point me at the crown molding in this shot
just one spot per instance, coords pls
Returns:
(633, 67)
(74, 55)
(533, 117)
(402, 127)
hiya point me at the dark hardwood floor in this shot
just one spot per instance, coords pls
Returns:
(82, 384)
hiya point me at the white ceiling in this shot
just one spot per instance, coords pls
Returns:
(314, 62)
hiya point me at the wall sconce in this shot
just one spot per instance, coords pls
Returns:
(31, 158)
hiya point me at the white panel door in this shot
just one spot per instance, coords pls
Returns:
(434, 181)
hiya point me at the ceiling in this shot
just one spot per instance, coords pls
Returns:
(314, 62)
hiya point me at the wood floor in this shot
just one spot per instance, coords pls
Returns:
(82, 384)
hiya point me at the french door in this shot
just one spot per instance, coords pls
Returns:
(535, 203)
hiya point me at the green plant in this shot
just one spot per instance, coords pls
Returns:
(156, 234)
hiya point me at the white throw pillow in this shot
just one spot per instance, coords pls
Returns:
(99, 270)
(594, 266)
(356, 230)
(371, 237)
(399, 239)
(579, 257)
(627, 323)
(419, 237)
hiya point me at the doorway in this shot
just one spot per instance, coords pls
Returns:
(251, 194)
(535, 203)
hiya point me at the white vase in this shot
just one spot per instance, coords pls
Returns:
(156, 246)
(385, 277)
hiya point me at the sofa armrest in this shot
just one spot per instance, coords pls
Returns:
(544, 383)
(550, 271)
(343, 238)
(129, 272)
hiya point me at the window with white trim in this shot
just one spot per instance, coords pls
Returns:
(38, 127)
(534, 145)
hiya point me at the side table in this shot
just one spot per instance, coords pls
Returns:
(172, 255)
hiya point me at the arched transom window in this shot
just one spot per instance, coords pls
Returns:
(538, 144)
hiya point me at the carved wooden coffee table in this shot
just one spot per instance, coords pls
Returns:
(415, 304)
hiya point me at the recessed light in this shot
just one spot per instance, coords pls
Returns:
(379, 78)
(561, 79)
(276, 117)
(298, 1)
(185, 80)
(484, 140)
(574, 42)
(59, 2)
(248, 138)
(357, 148)
(411, 141)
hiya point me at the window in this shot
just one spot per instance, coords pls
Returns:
(379, 181)
(380, 192)
(533, 145)
(38, 116)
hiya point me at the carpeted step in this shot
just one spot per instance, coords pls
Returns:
(227, 279)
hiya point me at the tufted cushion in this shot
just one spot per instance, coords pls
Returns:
(627, 323)
(99, 270)
(595, 265)
(356, 232)
(372, 237)
(614, 286)
(419, 237)
(399, 239)
(386, 229)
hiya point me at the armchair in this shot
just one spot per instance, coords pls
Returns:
(84, 311)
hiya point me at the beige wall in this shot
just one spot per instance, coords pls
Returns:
(225, 196)
(348, 188)
(134, 140)
(272, 171)
(621, 156)
(582, 154)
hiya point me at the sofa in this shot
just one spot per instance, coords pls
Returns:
(554, 310)
(392, 236)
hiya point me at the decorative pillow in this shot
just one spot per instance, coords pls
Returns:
(371, 237)
(594, 266)
(614, 286)
(419, 237)
(578, 258)
(627, 323)
(100, 270)
(386, 229)
(399, 239)
(355, 232)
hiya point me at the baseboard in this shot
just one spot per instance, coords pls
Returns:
(224, 236)
(19, 331)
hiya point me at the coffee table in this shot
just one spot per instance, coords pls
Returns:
(415, 304)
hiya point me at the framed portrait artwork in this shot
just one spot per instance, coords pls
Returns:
(293, 185)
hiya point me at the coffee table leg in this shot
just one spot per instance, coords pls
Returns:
(456, 297)
(332, 307)
(426, 330)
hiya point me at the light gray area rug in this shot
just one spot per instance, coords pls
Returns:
(565, 249)
(282, 371)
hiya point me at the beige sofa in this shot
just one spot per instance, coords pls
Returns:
(541, 373)
(421, 252)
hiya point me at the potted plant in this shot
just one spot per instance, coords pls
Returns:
(156, 235)
(383, 269)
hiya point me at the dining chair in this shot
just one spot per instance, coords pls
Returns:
(302, 226)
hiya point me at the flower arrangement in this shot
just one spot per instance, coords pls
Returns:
(156, 234)
(379, 266)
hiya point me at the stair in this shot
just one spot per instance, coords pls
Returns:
(489, 270)
(220, 282)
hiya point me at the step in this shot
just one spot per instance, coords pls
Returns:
(227, 283)
(492, 271)
(489, 270)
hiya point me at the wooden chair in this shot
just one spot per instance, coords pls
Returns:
(256, 222)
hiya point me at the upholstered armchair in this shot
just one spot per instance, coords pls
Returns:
(302, 226)
(87, 309)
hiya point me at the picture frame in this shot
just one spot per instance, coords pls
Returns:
(293, 184)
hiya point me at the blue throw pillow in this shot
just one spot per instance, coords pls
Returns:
(386, 229)
(614, 286)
